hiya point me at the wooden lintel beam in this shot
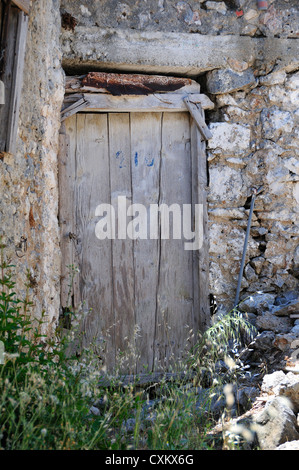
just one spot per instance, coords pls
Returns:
(23, 5)
(173, 102)
(17, 82)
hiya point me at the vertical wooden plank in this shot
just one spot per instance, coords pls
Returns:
(2, 86)
(92, 187)
(146, 156)
(201, 258)
(175, 289)
(66, 174)
(122, 247)
(1, 25)
(194, 196)
(13, 41)
(155, 284)
(17, 82)
(7, 64)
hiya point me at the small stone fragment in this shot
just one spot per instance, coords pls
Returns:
(257, 263)
(238, 65)
(251, 14)
(220, 7)
(275, 78)
(276, 122)
(257, 303)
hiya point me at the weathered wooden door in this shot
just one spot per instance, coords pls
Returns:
(146, 296)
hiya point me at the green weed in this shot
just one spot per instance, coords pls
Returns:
(50, 399)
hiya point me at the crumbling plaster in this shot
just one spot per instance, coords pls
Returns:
(29, 202)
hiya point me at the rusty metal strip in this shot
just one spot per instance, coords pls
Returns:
(131, 84)
(126, 84)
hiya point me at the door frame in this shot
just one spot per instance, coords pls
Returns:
(184, 100)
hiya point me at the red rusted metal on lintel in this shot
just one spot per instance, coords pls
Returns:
(129, 84)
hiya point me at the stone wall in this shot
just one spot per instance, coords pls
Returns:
(236, 17)
(245, 60)
(28, 206)
(255, 143)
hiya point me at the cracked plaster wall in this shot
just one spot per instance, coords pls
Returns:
(28, 206)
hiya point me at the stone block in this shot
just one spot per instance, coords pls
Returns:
(287, 99)
(220, 7)
(276, 424)
(227, 214)
(290, 389)
(273, 382)
(292, 82)
(229, 139)
(250, 273)
(168, 52)
(257, 263)
(287, 309)
(268, 321)
(284, 342)
(274, 78)
(257, 303)
(276, 122)
(227, 81)
(226, 186)
(251, 14)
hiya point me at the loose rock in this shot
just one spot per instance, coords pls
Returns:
(276, 424)
(284, 310)
(293, 445)
(257, 303)
(268, 321)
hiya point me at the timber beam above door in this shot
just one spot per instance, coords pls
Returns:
(129, 103)
(135, 93)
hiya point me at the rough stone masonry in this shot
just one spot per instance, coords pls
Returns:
(246, 61)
